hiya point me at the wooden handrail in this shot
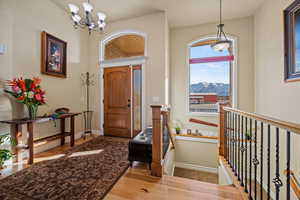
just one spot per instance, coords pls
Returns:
(198, 121)
(294, 183)
(293, 127)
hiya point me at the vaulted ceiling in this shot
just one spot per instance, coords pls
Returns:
(180, 12)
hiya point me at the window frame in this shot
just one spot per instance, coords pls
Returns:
(233, 75)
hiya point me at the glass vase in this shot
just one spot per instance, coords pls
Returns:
(32, 111)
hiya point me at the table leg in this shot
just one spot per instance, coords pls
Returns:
(30, 142)
(72, 127)
(14, 131)
(63, 131)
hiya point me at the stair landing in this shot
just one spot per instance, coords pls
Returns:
(137, 184)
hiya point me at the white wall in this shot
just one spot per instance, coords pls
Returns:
(154, 26)
(181, 37)
(21, 25)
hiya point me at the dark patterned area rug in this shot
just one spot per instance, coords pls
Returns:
(87, 171)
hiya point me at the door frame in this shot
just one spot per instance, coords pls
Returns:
(123, 62)
(138, 60)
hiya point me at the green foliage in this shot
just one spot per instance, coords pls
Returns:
(4, 153)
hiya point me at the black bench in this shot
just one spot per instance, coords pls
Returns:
(140, 147)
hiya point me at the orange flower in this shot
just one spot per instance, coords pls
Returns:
(36, 80)
(12, 82)
(22, 85)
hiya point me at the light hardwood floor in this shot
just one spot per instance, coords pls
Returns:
(137, 183)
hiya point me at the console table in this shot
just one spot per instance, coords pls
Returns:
(16, 127)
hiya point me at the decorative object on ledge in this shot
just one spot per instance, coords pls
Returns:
(87, 20)
(292, 42)
(28, 92)
(54, 56)
(222, 43)
(87, 80)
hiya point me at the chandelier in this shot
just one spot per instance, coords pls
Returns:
(87, 21)
(222, 43)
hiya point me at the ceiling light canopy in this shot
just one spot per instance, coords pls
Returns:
(222, 43)
(87, 21)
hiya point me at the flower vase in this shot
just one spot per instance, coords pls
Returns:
(32, 111)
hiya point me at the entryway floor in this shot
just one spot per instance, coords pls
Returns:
(196, 175)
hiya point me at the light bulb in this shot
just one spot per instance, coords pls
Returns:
(73, 8)
(76, 18)
(87, 7)
(101, 16)
(101, 24)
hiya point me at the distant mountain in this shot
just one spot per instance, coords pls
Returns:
(222, 89)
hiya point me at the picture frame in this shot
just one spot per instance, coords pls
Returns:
(292, 42)
(53, 56)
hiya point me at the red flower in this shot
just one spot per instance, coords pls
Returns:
(38, 97)
(32, 86)
(20, 98)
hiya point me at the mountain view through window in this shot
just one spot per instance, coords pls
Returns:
(210, 80)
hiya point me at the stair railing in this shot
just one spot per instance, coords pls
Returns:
(252, 145)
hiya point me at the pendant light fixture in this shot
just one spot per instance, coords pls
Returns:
(222, 43)
(87, 21)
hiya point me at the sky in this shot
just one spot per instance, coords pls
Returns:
(213, 72)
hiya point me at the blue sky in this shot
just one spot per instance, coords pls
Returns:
(214, 72)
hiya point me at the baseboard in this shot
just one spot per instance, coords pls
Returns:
(196, 167)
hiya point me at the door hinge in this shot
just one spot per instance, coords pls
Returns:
(102, 125)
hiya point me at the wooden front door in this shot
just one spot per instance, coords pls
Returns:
(117, 103)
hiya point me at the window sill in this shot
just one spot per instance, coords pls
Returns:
(202, 114)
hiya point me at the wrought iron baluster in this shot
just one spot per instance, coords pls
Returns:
(288, 160)
(250, 162)
(225, 134)
(230, 138)
(255, 160)
(269, 161)
(235, 145)
(246, 154)
(239, 148)
(261, 159)
(277, 181)
(242, 150)
(233, 149)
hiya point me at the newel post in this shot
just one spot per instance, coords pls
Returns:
(156, 167)
(221, 142)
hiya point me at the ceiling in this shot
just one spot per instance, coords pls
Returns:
(180, 12)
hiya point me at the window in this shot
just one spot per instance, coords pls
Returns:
(209, 77)
(292, 42)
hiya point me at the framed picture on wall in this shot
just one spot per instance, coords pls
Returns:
(292, 42)
(54, 56)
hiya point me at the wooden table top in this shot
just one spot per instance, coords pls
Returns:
(38, 119)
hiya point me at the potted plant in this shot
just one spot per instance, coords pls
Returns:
(28, 92)
(4, 153)
(177, 129)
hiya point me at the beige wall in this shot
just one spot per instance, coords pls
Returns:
(21, 25)
(274, 97)
(154, 26)
(181, 37)
(202, 153)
